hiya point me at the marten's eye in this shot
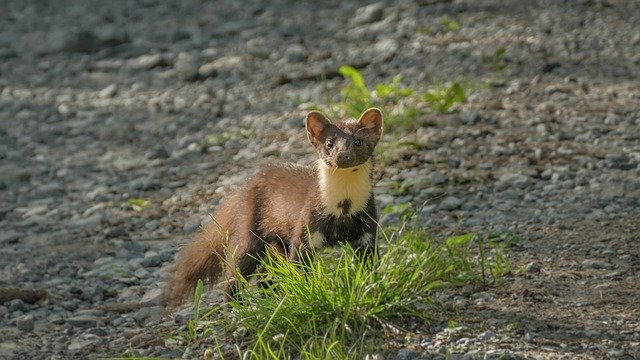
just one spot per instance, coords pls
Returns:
(329, 143)
(357, 142)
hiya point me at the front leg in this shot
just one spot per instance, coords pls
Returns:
(365, 246)
(304, 245)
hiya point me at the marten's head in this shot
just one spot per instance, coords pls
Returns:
(346, 143)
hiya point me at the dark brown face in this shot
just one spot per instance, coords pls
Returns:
(347, 143)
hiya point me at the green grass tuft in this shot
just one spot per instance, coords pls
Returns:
(343, 307)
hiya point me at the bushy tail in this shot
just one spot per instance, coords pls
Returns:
(203, 258)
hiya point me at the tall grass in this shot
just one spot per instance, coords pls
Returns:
(341, 307)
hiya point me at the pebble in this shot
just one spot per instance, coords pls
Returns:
(596, 264)
(152, 297)
(408, 354)
(25, 323)
(368, 14)
(437, 178)
(151, 259)
(532, 268)
(83, 321)
(186, 66)
(450, 203)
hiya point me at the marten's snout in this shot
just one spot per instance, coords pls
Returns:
(344, 157)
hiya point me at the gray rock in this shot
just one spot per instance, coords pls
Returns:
(408, 354)
(115, 232)
(81, 345)
(487, 335)
(49, 190)
(186, 66)
(296, 53)
(368, 14)
(191, 226)
(135, 247)
(510, 181)
(17, 305)
(82, 41)
(596, 264)
(108, 92)
(532, 268)
(437, 178)
(149, 315)
(450, 203)
(222, 67)
(83, 321)
(147, 61)
(151, 259)
(152, 297)
(469, 117)
(25, 323)
(183, 315)
(9, 237)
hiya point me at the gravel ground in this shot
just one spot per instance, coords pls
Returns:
(123, 123)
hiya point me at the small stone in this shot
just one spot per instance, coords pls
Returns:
(186, 66)
(135, 247)
(83, 321)
(190, 226)
(596, 264)
(450, 203)
(115, 232)
(25, 322)
(17, 305)
(469, 117)
(80, 345)
(9, 237)
(221, 67)
(148, 315)
(296, 53)
(437, 178)
(407, 354)
(146, 62)
(513, 181)
(83, 41)
(108, 92)
(183, 316)
(453, 162)
(487, 335)
(152, 297)
(151, 259)
(483, 298)
(368, 14)
(532, 268)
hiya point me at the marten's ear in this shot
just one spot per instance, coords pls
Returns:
(371, 119)
(316, 123)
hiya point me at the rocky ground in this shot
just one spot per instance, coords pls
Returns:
(123, 123)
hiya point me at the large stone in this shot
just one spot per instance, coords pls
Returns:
(25, 322)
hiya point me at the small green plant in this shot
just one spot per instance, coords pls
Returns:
(402, 103)
(404, 211)
(442, 98)
(138, 204)
(355, 97)
(450, 24)
(192, 324)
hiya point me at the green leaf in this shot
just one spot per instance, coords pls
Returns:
(196, 299)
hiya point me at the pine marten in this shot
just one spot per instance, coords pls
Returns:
(290, 208)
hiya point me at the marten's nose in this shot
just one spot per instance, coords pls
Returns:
(343, 156)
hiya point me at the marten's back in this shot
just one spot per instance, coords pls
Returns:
(282, 193)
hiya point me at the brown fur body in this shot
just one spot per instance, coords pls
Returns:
(290, 207)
